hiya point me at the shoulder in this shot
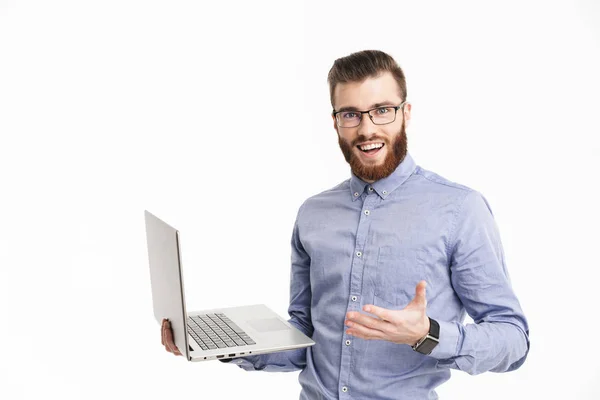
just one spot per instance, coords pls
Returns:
(435, 185)
(465, 199)
(328, 198)
(434, 181)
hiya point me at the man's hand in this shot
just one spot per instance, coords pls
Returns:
(405, 326)
(166, 338)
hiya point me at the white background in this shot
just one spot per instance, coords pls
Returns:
(216, 118)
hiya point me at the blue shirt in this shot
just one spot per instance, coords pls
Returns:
(359, 244)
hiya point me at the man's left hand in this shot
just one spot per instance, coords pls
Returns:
(405, 326)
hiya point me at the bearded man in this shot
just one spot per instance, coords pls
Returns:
(386, 264)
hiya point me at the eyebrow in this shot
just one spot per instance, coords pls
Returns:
(376, 105)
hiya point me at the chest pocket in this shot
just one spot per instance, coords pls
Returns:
(396, 274)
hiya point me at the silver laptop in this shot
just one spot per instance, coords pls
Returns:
(210, 334)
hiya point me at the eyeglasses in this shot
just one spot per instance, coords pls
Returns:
(379, 116)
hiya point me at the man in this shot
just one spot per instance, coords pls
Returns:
(385, 264)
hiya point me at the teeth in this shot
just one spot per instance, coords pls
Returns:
(371, 146)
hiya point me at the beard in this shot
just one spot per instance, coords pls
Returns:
(395, 155)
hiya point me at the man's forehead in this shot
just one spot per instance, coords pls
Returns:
(371, 92)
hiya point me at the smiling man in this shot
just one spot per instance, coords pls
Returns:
(372, 155)
(386, 264)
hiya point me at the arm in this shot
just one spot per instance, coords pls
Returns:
(299, 311)
(498, 341)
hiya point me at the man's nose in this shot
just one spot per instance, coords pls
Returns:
(366, 126)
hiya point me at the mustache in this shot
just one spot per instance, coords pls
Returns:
(363, 138)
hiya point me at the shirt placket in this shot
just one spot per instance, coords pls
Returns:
(355, 298)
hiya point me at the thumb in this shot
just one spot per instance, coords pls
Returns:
(420, 295)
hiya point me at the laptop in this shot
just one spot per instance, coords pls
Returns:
(216, 333)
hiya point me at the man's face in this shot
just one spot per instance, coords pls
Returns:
(376, 164)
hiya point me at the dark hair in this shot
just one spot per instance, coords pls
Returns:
(362, 65)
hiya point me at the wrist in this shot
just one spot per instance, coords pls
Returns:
(430, 340)
(423, 332)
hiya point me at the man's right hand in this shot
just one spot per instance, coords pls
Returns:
(167, 338)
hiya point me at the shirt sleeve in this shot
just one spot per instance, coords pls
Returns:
(299, 311)
(498, 340)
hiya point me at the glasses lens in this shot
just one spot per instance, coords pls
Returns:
(383, 115)
(348, 119)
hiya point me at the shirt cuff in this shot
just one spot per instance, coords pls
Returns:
(246, 363)
(447, 347)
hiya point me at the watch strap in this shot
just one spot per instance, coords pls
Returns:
(429, 341)
(434, 328)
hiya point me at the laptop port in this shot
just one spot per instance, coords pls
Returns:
(232, 355)
(242, 353)
(221, 356)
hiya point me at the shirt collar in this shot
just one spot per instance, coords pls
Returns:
(387, 185)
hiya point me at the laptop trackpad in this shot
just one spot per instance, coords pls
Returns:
(267, 325)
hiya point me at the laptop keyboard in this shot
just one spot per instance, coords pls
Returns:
(216, 331)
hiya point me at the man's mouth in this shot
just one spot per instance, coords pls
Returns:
(370, 148)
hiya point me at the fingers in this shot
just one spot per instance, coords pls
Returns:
(383, 313)
(364, 332)
(355, 318)
(421, 293)
(166, 326)
(420, 299)
(167, 338)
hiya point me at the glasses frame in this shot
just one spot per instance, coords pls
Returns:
(368, 112)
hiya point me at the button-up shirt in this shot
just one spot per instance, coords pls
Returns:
(361, 243)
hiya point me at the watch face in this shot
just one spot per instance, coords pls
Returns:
(427, 346)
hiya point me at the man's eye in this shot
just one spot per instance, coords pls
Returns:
(382, 111)
(349, 115)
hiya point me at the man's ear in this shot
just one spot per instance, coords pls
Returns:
(335, 124)
(407, 115)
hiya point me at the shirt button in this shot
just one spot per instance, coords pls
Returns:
(347, 343)
(358, 254)
(355, 194)
(370, 189)
(344, 389)
(354, 298)
(367, 212)
(384, 192)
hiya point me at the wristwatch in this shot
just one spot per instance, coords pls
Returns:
(428, 343)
